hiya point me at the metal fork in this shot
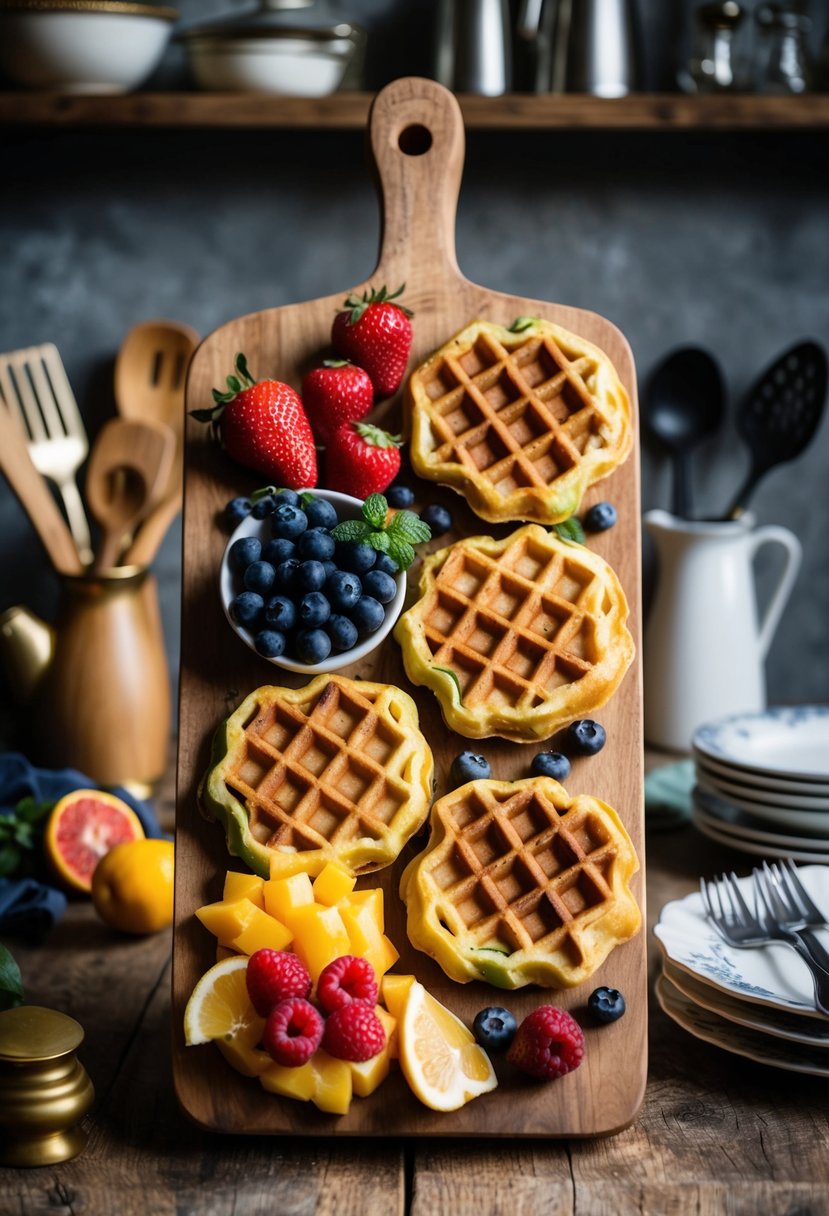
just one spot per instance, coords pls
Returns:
(740, 927)
(793, 912)
(34, 384)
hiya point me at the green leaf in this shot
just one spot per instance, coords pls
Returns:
(262, 492)
(379, 541)
(204, 415)
(570, 529)
(307, 498)
(375, 510)
(351, 529)
(410, 527)
(454, 676)
(401, 551)
(23, 835)
(520, 324)
(10, 858)
(11, 981)
(234, 384)
(32, 811)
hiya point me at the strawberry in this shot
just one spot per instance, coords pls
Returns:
(375, 334)
(263, 425)
(362, 459)
(336, 393)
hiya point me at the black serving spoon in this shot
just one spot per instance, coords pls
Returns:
(684, 404)
(780, 414)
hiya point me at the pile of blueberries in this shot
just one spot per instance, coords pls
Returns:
(301, 593)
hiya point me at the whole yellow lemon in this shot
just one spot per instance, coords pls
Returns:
(132, 886)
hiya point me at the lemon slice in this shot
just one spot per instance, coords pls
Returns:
(440, 1059)
(220, 1008)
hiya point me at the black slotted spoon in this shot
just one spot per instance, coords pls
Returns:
(780, 414)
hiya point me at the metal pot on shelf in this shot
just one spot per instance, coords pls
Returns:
(583, 46)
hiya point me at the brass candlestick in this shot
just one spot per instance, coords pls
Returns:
(44, 1089)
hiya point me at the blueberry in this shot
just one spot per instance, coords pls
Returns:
(287, 498)
(438, 519)
(317, 545)
(368, 615)
(314, 610)
(288, 522)
(357, 557)
(321, 514)
(381, 586)
(278, 550)
(312, 645)
(469, 766)
(586, 737)
(385, 563)
(494, 1028)
(550, 764)
(399, 496)
(329, 568)
(246, 608)
(600, 517)
(310, 576)
(285, 581)
(280, 613)
(342, 632)
(237, 510)
(263, 506)
(242, 552)
(606, 1004)
(269, 643)
(259, 577)
(343, 590)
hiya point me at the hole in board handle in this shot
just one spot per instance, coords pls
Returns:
(414, 140)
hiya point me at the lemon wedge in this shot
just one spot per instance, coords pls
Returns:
(220, 1008)
(440, 1059)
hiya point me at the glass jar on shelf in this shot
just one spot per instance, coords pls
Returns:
(784, 66)
(716, 64)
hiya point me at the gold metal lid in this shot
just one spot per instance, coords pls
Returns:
(130, 8)
(32, 1033)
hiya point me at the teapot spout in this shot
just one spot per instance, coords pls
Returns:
(27, 645)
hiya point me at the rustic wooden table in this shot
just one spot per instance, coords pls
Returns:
(716, 1134)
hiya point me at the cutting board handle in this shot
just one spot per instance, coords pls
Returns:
(417, 138)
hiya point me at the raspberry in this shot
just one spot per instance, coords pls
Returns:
(273, 976)
(345, 980)
(293, 1032)
(549, 1043)
(354, 1032)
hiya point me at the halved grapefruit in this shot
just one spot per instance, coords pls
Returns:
(82, 827)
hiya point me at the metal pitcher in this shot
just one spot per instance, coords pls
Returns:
(473, 46)
(583, 46)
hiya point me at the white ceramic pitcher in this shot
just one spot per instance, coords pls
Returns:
(704, 646)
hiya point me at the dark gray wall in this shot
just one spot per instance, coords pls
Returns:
(721, 240)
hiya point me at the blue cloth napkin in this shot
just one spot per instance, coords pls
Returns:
(668, 795)
(30, 907)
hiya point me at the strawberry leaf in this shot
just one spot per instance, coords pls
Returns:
(351, 529)
(570, 529)
(375, 510)
(410, 527)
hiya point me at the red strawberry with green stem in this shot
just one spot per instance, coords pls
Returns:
(376, 334)
(362, 460)
(334, 394)
(263, 425)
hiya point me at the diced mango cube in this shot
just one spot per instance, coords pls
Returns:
(319, 937)
(283, 865)
(284, 895)
(365, 939)
(333, 1083)
(262, 932)
(374, 897)
(249, 1061)
(298, 1082)
(333, 884)
(243, 886)
(368, 1074)
(394, 990)
(227, 919)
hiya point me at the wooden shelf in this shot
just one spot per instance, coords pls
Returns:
(348, 111)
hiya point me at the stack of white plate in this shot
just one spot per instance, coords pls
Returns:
(763, 782)
(755, 1003)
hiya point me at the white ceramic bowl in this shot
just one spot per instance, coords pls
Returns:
(82, 46)
(347, 508)
(290, 67)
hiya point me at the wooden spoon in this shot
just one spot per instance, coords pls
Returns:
(128, 474)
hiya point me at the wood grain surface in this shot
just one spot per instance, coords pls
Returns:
(417, 142)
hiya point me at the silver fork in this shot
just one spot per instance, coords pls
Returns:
(34, 384)
(789, 902)
(740, 927)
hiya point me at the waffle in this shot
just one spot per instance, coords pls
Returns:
(517, 637)
(335, 771)
(521, 884)
(519, 423)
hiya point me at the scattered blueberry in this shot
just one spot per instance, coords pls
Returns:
(438, 519)
(259, 577)
(469, 766)
(312, 646)
(263, 506)
(243, 551)
(287, 498)
(247, 607)
(310, 576)
(280, 612)
(342, 632)
(343, 590)
(269, 643)
(314, 610)
(278, 550)
(399, 496)
(286, 576)
(368, 615)
(288, 522)
(357, 557)
(316, 544)
(381, 586)
(329, 568)
(494, 1028)
(586, 737)
(321, 514)
(606, 1004)
(385, 563)
(550, 764)
(600, 517)
(237, 510)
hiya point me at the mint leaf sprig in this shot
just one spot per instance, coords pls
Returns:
(11, 982)
(397, 537)
(570, 529)
(21, 835)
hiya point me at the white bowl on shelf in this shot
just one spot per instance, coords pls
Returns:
(82, 46)
(290, 67)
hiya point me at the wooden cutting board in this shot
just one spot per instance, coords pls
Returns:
(417, 140)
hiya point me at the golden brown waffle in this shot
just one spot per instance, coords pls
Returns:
(519, 423)
(517, 637)
(521, 884)
(335, 771)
